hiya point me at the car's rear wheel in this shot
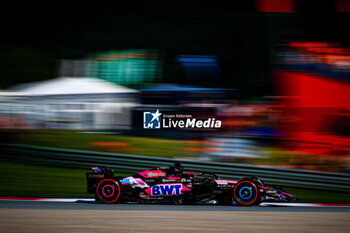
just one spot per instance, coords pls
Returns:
(245, 193)
(108, 191)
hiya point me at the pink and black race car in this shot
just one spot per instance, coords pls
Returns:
(173, 185)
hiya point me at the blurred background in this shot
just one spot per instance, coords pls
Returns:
(79, 75)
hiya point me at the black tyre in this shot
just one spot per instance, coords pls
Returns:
(246, 193)
(108, 191)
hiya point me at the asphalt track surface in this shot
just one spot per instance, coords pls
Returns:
(89, 217)
(153, 207)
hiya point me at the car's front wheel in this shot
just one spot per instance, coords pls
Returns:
(246, 193)
(108, 191)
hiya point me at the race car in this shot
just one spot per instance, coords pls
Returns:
(173, 185)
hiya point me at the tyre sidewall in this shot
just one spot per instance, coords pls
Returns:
(255, 192)
(113, 185)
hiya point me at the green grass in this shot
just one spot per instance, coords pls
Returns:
(31, 180)
(309, 195)
(83, 141)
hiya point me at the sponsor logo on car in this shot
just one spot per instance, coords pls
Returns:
(167, 189)
(185, 180)
(168, 180)
(151, 174)
(96, 176)
(226, 182)
(271, 191)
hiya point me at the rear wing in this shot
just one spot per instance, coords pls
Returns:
(94, 177)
